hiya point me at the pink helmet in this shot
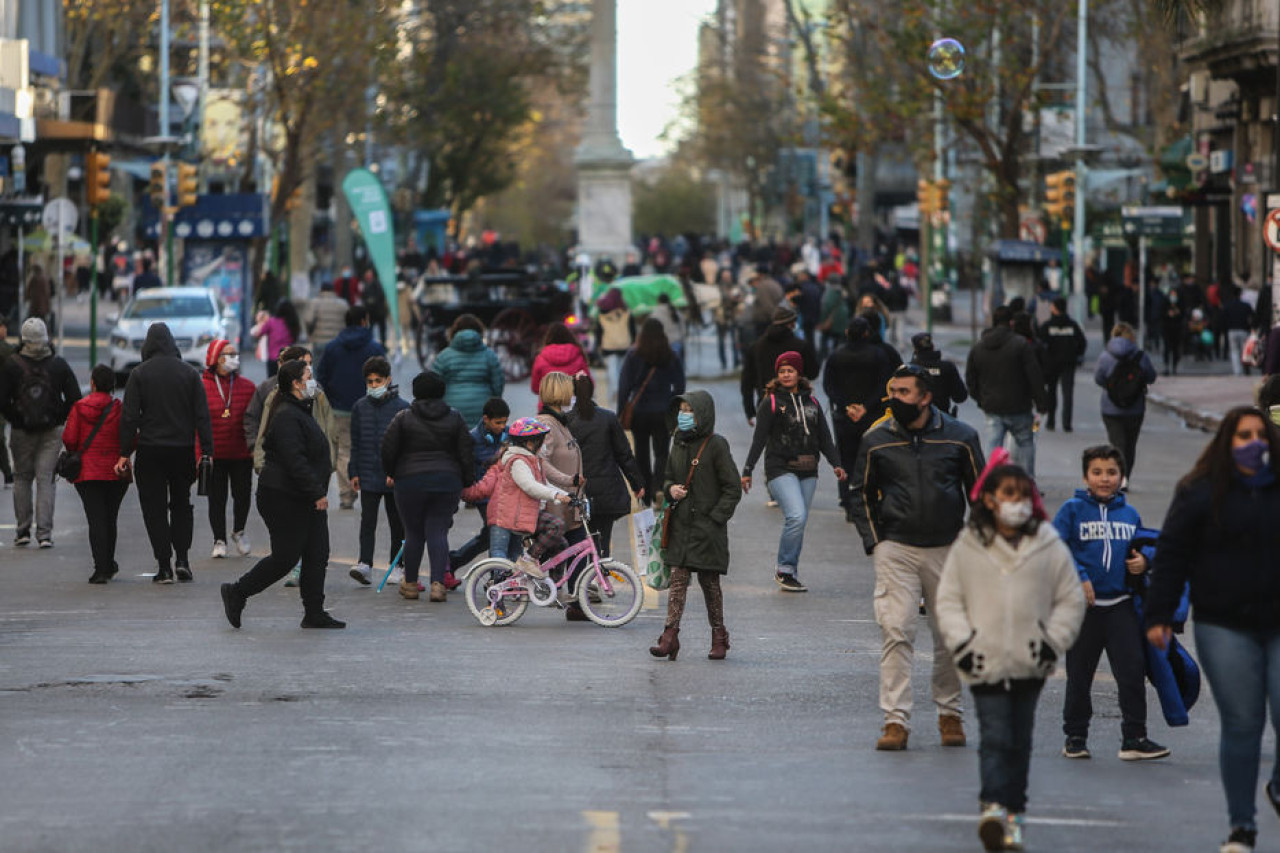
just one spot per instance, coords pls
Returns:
(527, 428)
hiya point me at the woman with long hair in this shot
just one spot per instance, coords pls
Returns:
(651, 375)
(1220, 537)
(281, 328)
(607, 461)
(562, 460)
(560, 352)
(470, 370)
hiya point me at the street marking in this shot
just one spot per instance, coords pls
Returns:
(679, 841)
(1040, 821)
(605, 835)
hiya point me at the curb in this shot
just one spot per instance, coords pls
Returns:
(1200, 419)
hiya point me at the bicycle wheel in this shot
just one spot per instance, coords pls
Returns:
(508, 607)
(617, 600)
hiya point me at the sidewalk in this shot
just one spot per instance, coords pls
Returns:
(1201, 401)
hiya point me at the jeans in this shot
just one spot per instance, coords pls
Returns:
(1066, 377)
(101, 499)
(238, 473)
(369, 524)
(164, 476)
(1024, 438)
(476, 545)
(794, 496)
(505, 543)
(34, 455)
(1235, 347)
(1243, 669)
(649, 430)
(1116, 629)
(298, 531)
(1122, 432)
(1006, 718)
(427, 517)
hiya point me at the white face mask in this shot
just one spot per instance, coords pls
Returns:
(231, 363)
(311, 388)
(1014, 513)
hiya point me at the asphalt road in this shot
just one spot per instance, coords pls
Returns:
(133, 718)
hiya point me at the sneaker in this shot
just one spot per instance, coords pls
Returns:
(771, 502)
(99, 577)
(1013, 832)
(451, 582)
(1075, 747)
(291, 579)
(219, 549)
(362, 573)
(397, 575)
(322, 620)
(241, 541)
(232, 604)
(346, 504)
(1240, 840)
(164, 574)
(22, 540)
(893, 739)
(790, 583)
(438, 592)
(1141, 749)
(46, 543)
(991, 826)
(183, 571)
(530, 567)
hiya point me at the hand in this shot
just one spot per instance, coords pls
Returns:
(840, 474)
(855, 411)
(640, 494)
(1088, 593)
(355, 483)
(751, 422)
(562, 498)
(322, 504)
(390, 482)
(1158, 636)
(1136, 563)
(679, 493)
(261, 317)
(746, 485)
(121, 466)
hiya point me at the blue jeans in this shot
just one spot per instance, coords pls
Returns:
(1243, 668)
(1024, 438)
(794, 495)
(1006, 718)
(505, 543)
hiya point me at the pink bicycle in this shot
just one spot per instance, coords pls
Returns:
(609, 592)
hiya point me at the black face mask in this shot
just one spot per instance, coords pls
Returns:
(903, 412)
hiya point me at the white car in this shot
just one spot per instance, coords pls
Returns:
(195, 316)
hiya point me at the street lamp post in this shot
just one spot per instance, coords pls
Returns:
(1082, 178)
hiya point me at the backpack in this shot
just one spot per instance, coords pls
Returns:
(37, 401)
(1126, 384)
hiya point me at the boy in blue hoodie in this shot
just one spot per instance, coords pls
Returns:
(1097, 525)
(487, 438)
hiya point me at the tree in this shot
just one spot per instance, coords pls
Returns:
(675, 201)
(105, 40)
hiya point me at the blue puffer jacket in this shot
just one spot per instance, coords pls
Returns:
(341, 369)
(1098, 535)
(487, 446)
(1116, 349)
(472, 374)
(369, 421)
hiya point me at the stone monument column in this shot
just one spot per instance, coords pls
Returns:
(604, 165)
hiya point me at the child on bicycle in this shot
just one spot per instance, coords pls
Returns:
(517, 490)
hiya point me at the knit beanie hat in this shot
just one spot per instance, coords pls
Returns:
(792, 358)
(783, 315)
(428, 386)
(214, 352)
(35, 332)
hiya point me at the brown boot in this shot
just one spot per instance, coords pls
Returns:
(893, 739)
(951, 729)
(719, 643)
(668, 644)
(409, 589)
(438, 592)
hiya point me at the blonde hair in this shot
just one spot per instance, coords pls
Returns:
(556, 389)
(1124, 330)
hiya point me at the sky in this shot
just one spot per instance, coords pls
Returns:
(657, 44)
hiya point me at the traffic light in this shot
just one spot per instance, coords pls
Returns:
(98, 186)
(941, 194)
(925, 197)
(188, 185)
(1060, 194)
(158, 189)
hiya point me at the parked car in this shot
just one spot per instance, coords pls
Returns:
(195, 316)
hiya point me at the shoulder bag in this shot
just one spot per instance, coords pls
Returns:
(69, 461)
(629, 410)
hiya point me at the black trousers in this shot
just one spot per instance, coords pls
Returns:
(602, 527)
(427, 518)
(848, 440)
(101, 499)
(164, 476)
(1066, 378)
(238, 474)
(1122, 432)
(652, 444)
(298, 531)
(1116, 630)
(369, 524)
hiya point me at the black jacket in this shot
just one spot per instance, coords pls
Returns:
(1004, 375)
(1064, 342)
(787, 426)
(429, 438)
(668, 381)
(757, 363)
(60, 374)
(296, 451)
(857, 372)
(949, 389)
(164, 400)
(1232, 561)
(913, 487)
(606, 460)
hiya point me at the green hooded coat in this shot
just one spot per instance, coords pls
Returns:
(698, 534)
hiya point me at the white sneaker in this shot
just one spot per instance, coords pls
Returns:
(241, 541)
(293, 577)
(219, 550)
(396, 576)
(362, 573)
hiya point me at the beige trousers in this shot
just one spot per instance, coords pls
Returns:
(904, 573)
(342, 423)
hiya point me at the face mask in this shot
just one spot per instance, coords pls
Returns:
(378, 392)
(903, 412)
(1274, 414)
(1014, 513)
(231, 363)
(1252, 456)
(311, 388)
(685, 421)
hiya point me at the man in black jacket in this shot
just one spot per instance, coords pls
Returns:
(1003, 375)
(165, 409)
(854, 381)
(757, 362)
(1065, 344)
(949, 390)
(910, 487)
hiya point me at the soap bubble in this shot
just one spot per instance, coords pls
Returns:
(946, 59)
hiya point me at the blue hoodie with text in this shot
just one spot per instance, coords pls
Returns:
(1098, 534)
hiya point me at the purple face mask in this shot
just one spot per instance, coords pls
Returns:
(1252, 456)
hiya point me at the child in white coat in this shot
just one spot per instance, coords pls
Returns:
(1009, 606)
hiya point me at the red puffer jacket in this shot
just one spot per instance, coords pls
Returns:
(566, 358)
(228, 399)
(98, 462)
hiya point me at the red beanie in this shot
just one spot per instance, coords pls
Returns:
(214, 352)
(792, 358)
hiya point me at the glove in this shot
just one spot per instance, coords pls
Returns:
(965, 664)
(1046, 657)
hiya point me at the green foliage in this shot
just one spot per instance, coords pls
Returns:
(110, 214)
(675, 202)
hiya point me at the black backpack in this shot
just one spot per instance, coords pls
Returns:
(37, 401)
(1126, 384)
